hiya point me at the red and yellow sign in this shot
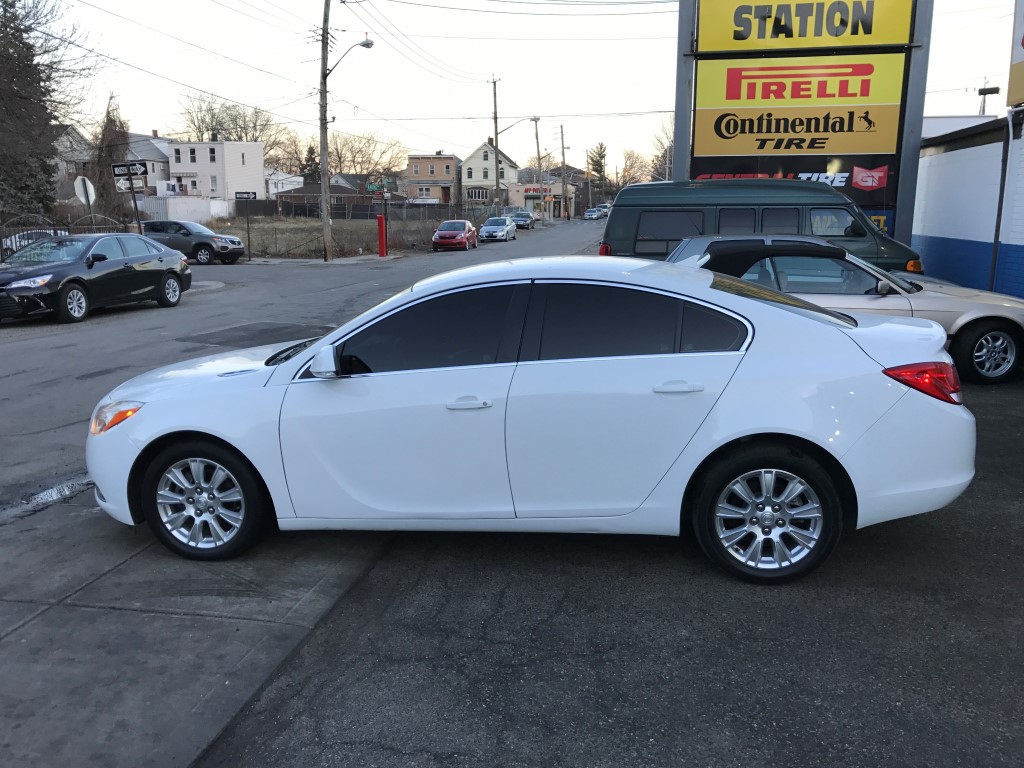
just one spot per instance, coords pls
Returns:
(800, 82)
(727, 25)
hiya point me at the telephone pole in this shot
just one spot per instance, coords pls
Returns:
(540, 175)
(565, 209)
(325, 173)
(497, 178)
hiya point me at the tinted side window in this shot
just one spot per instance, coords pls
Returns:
(134, 246)
(736, 221)
(831, 222)
(108, 247)
(457, 329)
(607, 321)
(153, 226)
(658, 232)
(707, 330)
(783, 221)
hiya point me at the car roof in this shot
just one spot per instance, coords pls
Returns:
(730, 191)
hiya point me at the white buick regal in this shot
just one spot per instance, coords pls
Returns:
(572, 394)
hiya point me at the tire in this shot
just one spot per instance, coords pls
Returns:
(170, 291)
(72, 303)
(476, 243)
(514, 235)
(807, 504)
(203, 254)
(434, 249)
(986, 353)
(234, 509)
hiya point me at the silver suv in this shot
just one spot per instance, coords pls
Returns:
(195, 240)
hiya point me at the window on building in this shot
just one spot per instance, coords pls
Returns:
(447, 169)
(243, 158)
(415, 169)
(479, 194)
(213, 154)
(487, 172)
(501, 173)
(192, 154)
(423, 191)
(430, 169)
(213, 183)
(469, 173)
(193, 184)
(487, 155)
(177, 155)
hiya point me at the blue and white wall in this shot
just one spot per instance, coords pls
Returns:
(956, 222)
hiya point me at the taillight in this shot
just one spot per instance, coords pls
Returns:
(939, 380)
(604, 250)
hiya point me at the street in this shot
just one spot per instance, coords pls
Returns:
(438, 649)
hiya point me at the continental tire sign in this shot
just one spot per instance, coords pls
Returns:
(798, 105)
(735, 26)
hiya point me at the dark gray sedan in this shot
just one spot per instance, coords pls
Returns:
(72, 275)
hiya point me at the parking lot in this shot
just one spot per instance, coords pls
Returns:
(464, 649)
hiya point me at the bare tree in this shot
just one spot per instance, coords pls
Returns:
(111, 142)
(203, 117)
(634, 168)
(366, 153)
(288, 153)
(664, 145)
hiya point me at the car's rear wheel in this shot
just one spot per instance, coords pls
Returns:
(986, 353)
(72, 303)
(203, 254)
(767, 513)
(170, 291)
(203, 501)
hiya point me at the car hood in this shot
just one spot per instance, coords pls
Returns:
(241, 368)
(942, 290)
(11, 272)
(893, 340)
(485, 230)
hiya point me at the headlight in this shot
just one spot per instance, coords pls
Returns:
(112, 414)
(31, 282)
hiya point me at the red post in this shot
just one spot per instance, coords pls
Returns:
(382, 237)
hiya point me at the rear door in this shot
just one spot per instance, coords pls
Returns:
(144, 265)
(611, 385)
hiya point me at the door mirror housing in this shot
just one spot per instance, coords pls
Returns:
(95, 258)
(884, 288)
(856, 229)
(325, 364)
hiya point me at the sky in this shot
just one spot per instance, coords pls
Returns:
(593, 70)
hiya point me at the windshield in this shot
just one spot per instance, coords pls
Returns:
(784, 301)
(60, 249)
(899, 282)
(451, 226)
(289, 352)
(496, 222)
(197, 229)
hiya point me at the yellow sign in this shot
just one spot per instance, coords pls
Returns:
(801, 82)
(796, 131)
(727, 25)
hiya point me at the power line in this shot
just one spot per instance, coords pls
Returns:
(529, 13)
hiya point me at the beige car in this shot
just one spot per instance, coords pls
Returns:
(985, 329)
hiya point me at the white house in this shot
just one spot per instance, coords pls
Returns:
(217, 169)
(279, 181)
(478, 182)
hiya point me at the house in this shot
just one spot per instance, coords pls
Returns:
(279, 181)
(478, 182)
(432, 179)
(74, 153)
(217, 169)
(151, 151)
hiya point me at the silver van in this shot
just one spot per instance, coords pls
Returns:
(649, 220)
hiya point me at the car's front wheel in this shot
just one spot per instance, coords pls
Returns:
(170, 291)
(203, 501)
(767, 513)
(986, 353)
(72, 303)
(203, 254)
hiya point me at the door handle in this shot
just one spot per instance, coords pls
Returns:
(467, 403)
(670, 387)
(126, 266)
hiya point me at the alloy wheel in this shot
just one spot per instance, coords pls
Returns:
(995, 353)
(76, 303)
(200, 503)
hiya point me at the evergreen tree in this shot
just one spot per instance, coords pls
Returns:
(597, 160)
(26, 133)
(310, 169)
(111, 148)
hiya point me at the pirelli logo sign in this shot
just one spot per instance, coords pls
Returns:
(806, 105)
(726, 25)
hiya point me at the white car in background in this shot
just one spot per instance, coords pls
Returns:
(498, 228)
(573, 394)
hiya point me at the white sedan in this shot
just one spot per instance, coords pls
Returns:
(573, 394)
(498, 228)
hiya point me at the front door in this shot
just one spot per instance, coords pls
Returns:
(416, 429)
(108, 278)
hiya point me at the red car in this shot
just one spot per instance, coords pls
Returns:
(456, 234)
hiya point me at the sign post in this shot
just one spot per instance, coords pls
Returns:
(130, 171)
(247, 196)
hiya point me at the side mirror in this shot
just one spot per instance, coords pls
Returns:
(855, 229)
(884, 288)
(93, 259)
(325, 364)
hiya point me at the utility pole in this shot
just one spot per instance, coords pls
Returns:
(540, 176)
(497, 179)
(325, 173)
(561, 131)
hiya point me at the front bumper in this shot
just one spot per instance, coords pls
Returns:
(460, 244)
(26, 301)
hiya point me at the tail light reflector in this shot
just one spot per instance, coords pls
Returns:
(604, 250)
(939, 380)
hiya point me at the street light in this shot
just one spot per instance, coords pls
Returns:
(325, 173)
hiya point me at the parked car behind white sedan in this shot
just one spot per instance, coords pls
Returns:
(985, 329)
(576, 394)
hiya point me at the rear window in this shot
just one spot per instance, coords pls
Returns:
(659, 232)
(784, 301)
